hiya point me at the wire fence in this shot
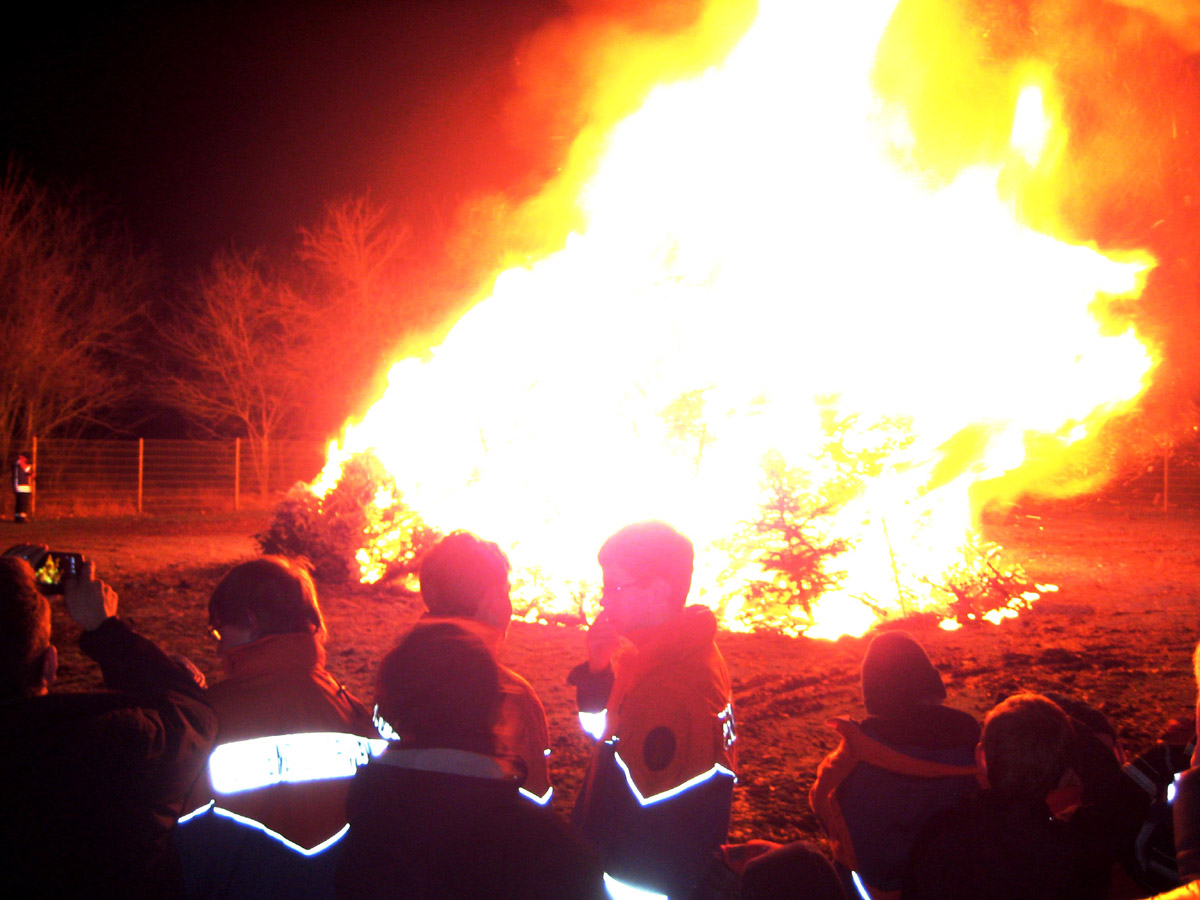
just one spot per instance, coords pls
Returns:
(1169, 484)
(144, 476)
(147, 476)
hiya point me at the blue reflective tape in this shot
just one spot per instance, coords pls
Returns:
(186, 817)
(291, 845)
(619, 890)
(716, 770)
(540, 801)
(728, 725)
(386, 731)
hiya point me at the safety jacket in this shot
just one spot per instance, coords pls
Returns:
(446, 824)
(903, 792)
(522, 733)
(521, 730)
(277, 687)
(22, 478)
(657, 794)
(270, 808)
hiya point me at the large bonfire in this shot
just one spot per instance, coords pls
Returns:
(813, 299)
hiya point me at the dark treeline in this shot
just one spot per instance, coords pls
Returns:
(101, 341)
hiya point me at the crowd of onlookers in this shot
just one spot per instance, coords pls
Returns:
(277, 782)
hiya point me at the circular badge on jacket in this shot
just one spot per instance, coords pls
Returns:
(659, 748)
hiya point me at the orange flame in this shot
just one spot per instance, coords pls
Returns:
(761, 259)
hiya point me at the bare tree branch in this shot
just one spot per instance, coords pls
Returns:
(241, 344)
(71, 289)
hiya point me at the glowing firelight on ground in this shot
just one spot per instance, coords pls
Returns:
(761, 272)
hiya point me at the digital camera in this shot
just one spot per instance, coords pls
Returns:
(55, 566)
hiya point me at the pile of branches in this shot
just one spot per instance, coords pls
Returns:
(985, 584)
(360, 530)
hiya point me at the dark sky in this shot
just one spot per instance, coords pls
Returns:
(210, 123)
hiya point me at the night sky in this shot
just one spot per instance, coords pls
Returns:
(213, 124)
(210, 124)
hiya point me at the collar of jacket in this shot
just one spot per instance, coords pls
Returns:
(275, 652)
(448, 761)
(493, 638)
(694, 628)
(685, 635)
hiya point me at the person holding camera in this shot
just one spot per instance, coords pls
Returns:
(91, 782)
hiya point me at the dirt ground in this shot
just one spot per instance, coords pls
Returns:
(1119, 634)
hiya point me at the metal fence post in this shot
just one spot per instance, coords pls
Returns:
(141, 471)
(1166, 479)
(237, 471)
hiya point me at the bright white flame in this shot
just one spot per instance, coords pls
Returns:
(1031, 126)
(755, 259)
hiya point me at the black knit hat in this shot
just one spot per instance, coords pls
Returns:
(897, 675)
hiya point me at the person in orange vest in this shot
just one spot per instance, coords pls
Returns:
(268, 813)
(22, 487)
(657, 794)
(466, 577)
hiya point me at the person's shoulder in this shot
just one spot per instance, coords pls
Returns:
(926, 726)
(951, 832)
(957, 726)
(514, 682)
(86, 728)
(59, 711)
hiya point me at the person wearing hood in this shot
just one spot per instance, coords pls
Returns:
(910, 758)
(655, 692)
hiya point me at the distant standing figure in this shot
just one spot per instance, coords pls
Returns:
(23, 487)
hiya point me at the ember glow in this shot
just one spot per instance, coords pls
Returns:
(764, 276)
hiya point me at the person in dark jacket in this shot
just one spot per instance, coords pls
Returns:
(910, 758)
(1004, 844)
(466, 577)
(92, 782)
(438, 815)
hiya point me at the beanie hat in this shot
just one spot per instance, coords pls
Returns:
(897, 675)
